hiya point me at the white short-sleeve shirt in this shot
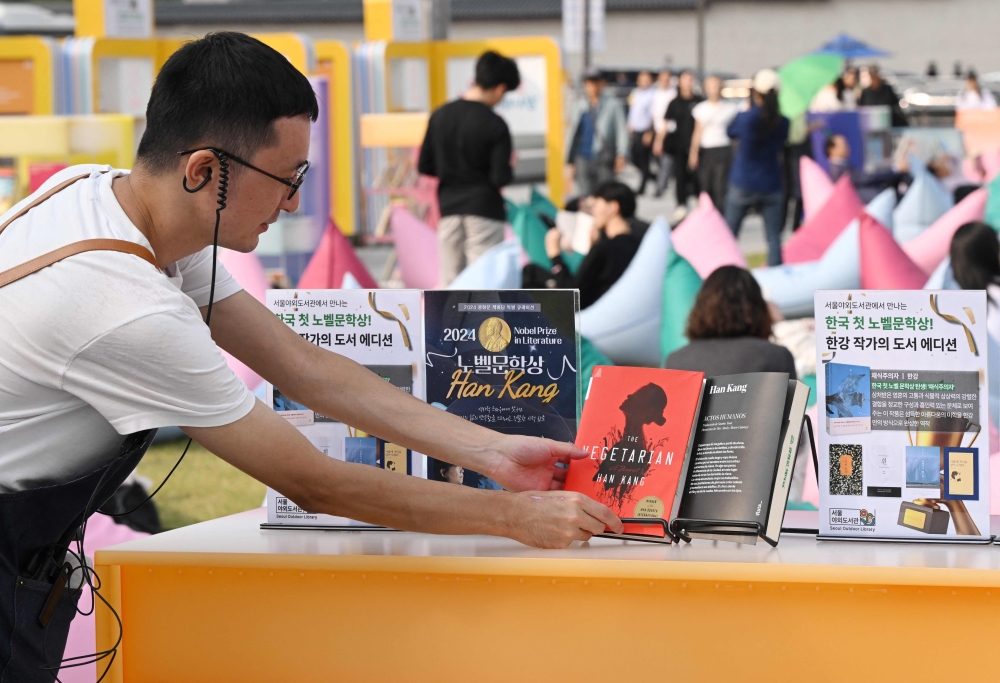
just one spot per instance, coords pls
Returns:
(714, 117)
(101, 344)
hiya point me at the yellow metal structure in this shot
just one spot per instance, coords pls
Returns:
(525, 46)
(89, 17)
(334, 61)
(437, 54)
(225, 601)
(378, 20)
(94, 139)
(37, 52)
(393, 130)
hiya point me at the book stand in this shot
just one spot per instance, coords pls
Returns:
(680, 528)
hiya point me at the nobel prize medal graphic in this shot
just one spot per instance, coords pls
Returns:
(494, 335)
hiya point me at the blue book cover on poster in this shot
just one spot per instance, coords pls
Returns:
(848, 399)
(505, 360)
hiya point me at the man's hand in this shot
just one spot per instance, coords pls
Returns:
(554, 519)
(552, 246)
(647, 138)
(527, 463)
(693, 160)
(619, 163)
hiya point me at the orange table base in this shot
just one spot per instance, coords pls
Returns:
(225, 601)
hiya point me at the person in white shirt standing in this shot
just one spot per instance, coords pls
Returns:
(112, 314)
(973, 96)
(711, 149)
(640, 126)
(663, 95)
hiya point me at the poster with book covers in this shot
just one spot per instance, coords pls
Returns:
(903, 406)
(380, 329)
(506, 360)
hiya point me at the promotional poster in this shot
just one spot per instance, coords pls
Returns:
(903, 451)
(506, 360)
(379, 329)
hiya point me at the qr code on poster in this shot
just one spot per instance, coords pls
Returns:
(845, 470)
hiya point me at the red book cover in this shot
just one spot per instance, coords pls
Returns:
(636, 426)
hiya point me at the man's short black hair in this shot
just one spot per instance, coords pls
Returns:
(614, 191)
(225, 90)
(494, 69)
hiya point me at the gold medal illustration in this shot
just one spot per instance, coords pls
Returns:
(494, 334)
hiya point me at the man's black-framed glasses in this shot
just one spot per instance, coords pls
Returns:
(295, 182)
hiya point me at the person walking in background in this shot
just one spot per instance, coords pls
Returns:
(598, 137)
(711, 149)
(662, 97)
(468, 148)
(729, 328)
(880, 93)
(973, 96)
(640, 126)
(755, 178)
(677, 141)
(613, 247)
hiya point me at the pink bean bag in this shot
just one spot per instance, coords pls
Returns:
(102, 532)
(705, 240)
(333, 260)
(818, 233)
(247, 271)
(416, 250)
(930, 247)
(884, 264)
(816, 186)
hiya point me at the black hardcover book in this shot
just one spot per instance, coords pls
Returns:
(742, 458)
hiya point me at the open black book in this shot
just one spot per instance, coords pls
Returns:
(740, 467)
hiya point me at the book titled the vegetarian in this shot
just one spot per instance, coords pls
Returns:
(712, 457)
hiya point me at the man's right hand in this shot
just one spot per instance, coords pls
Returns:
(569, 172)
(554, 519)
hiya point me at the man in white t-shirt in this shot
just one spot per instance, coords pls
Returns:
(104, 344)
(711, 149)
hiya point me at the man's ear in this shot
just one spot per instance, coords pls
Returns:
(198, 170)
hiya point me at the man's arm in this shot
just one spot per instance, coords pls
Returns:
(267, 448)
(336, 386)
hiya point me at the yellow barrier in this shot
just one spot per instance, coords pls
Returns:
(402, 129)
(334, 61)
(26, 75)
(96, 139)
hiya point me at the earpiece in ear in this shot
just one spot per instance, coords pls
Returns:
(202, 184)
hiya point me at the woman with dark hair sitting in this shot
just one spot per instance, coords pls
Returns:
(975, 256)
(729, 327)
(975, 264)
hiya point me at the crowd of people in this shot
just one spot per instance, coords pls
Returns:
(743, 154)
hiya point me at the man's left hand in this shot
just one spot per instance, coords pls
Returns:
(619, 164)
(527, 463)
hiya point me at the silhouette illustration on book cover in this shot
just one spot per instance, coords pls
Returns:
(629, 455)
